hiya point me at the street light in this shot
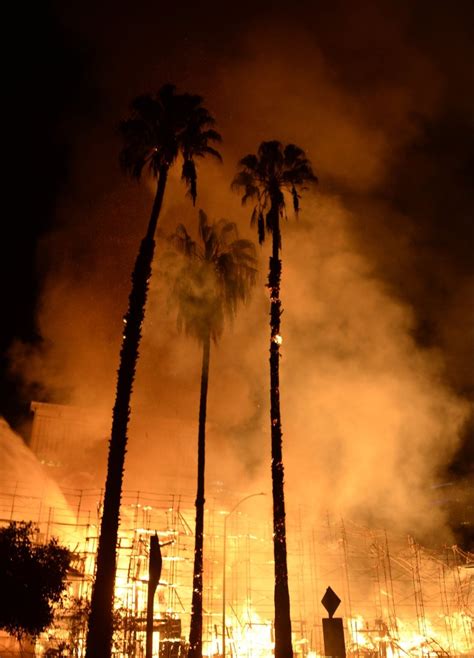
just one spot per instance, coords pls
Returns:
(260, 493)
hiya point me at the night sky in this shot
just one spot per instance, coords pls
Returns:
(380, 94)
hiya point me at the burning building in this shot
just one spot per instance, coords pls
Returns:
(398, 597)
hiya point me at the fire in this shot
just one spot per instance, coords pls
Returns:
(253, 637)
(409, 601)
(404, 639)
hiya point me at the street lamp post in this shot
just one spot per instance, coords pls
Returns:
(224, 555)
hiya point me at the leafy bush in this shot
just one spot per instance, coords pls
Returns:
(32, 579)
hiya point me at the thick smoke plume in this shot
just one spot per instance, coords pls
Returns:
(28, 492)
(373, 411)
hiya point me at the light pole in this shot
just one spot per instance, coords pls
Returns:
(224, 554)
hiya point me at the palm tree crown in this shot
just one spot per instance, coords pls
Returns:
(267, 176)
(161, 127)
(212, 278)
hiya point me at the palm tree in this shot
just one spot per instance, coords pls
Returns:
(266, 178)
(212, 278)
(161, 127)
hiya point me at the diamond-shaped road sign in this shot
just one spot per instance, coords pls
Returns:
(330, 601)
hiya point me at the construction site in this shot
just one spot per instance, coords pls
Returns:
(398, 598)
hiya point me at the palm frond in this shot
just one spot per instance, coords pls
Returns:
(296, 199)
(249, 162)
(227, 233)
(214, 277)
(271, 150)
(300, 174)
(208, 150)
(189, 175)
(136, 150)
(291, 154)
(211, 135)
(261, 228)
(245, 180)
(182, 242)
(265, 176)
(161, 126)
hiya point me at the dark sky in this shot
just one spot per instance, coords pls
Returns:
(382, 92)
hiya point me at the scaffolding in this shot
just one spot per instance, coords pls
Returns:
(398, 598)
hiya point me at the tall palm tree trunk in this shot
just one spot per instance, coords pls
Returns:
(99, 636)
(195, 633)
(283, 648)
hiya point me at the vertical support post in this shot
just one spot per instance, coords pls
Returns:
(154, 570)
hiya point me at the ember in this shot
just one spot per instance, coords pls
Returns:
(398, 598)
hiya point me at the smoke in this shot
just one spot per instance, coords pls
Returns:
(28, 493)
(376, 422)
(372, 413)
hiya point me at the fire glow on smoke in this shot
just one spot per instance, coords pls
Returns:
(398, 598)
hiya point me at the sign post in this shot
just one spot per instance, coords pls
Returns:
(333, 630)
(154, 573)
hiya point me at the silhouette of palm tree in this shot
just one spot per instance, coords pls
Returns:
(275, 171)
(161, 127)
(212, 278)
